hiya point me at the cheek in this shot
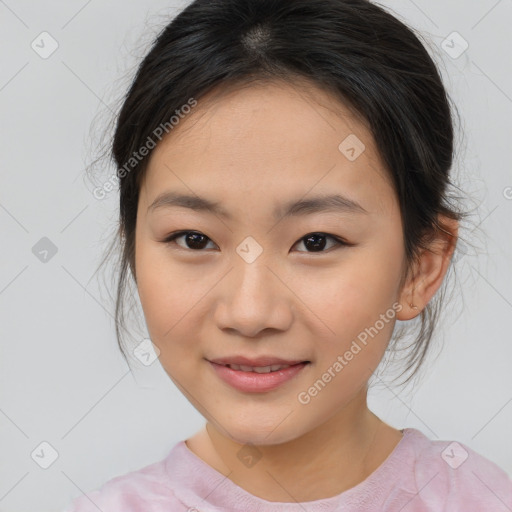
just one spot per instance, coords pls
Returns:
(357, 291)
(165, 313)
(163, 291)
(174, 305)
(356, 302)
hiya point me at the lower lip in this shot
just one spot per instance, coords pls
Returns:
(253, 382)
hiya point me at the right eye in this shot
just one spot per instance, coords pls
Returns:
(193, 240)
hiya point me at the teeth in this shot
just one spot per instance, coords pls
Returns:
(262, 369)
(258, 369)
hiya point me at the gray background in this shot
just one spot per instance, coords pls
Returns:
(62, 378)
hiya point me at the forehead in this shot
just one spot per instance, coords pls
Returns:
(272, 139)
(277, 111)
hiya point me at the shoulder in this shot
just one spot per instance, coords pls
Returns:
(450, 476)
(130, 492)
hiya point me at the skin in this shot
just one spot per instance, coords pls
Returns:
(253, 149)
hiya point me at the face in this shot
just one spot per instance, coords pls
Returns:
(316, 284)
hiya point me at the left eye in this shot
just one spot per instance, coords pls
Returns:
(193, 238)
(196, 241)
(317, 241)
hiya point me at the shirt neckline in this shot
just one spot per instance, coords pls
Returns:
(199, 485)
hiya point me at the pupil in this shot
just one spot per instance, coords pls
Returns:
(315, 245)
(193, 243)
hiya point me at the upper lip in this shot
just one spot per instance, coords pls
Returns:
(257, 361)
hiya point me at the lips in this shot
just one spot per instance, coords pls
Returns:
(243, 363)
(258, 375)
(258, 369)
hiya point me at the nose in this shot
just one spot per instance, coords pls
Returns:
(253, 298)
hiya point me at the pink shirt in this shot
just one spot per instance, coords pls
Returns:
(420, 475)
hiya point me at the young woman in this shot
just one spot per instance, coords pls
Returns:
(284, 175)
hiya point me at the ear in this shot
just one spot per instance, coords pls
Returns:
(429, 270)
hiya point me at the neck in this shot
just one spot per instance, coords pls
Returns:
(322, 463)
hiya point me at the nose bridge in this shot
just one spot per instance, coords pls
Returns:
(253, 278)
(254, 287)
(253, 298)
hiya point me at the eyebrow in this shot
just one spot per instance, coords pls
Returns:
(317, 204)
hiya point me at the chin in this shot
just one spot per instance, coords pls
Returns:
(263, 433)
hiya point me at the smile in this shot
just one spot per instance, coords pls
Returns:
(257, 379)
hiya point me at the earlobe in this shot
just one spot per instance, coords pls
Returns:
(430, 270)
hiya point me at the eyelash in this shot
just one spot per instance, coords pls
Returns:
(173, 236)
